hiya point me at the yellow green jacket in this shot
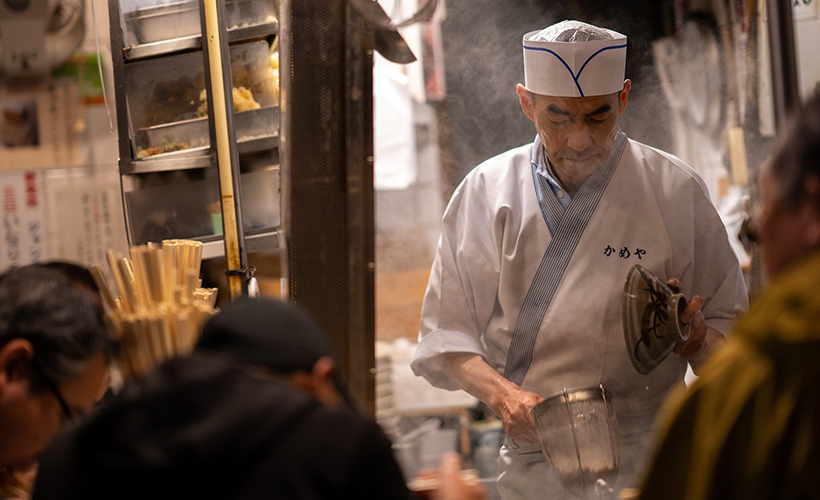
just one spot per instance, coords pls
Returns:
(749, 427)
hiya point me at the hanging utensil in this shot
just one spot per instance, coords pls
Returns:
(371, 11)
(387, 39)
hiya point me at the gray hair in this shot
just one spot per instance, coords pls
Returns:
(60, 321)
(798, 154)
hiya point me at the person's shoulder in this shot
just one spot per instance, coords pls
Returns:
(501, 164)
(506, 169)
(349, 432)
(328, 418)
(357, 453)
(783, 320)
(345, 437)
(666, 168)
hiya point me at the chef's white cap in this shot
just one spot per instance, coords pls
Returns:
(574, 59)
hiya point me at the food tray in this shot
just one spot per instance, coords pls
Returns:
(194, 132)
(164, 98)
(154, 23)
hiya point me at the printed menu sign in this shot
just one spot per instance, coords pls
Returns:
(88, 222)
(22, 224)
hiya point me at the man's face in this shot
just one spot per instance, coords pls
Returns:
(787, 233)
(577, 132)
(31, 419)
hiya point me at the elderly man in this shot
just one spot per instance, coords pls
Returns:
(749, 428)
(525, 293)
(54, 350)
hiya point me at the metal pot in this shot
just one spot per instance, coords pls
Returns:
(578, 433)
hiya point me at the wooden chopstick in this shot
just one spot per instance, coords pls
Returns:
(160, 307)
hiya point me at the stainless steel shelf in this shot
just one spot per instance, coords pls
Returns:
(253, 243)
(165, 46)
(150, 165)
(199, 157)
(257, 144)
(177, 45)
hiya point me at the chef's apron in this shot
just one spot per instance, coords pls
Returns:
(569, 333)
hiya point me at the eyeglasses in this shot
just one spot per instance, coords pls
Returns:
(68, 415)
(749, 234)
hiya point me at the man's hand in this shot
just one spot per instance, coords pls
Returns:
(513, 407)
(507, 400)
(697, 329)
(701, 337)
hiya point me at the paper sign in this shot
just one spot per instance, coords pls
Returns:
(87, 221)
(22, 219)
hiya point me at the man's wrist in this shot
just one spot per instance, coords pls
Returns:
(472, 373)
(500, 393)
(711, 343)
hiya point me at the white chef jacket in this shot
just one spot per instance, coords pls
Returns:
(642, 206)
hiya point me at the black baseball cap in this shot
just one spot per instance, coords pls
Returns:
(269, 333)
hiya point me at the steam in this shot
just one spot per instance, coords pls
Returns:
(484, 62)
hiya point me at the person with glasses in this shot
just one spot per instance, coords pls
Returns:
(54, 353)
(257, 411)
(749, 427)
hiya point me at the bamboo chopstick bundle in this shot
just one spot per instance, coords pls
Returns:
(157, 306)
(108, 298)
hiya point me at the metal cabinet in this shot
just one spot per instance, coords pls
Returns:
(168, 168)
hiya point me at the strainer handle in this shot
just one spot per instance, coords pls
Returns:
(575, 439)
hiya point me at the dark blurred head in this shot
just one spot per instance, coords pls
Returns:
(79, 276)
(54, 351)
(282, 339)
(790, 185)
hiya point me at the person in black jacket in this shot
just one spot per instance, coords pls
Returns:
(255, 412)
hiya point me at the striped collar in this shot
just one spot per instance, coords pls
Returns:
(542, 166)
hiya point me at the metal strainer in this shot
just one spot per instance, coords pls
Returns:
(578, 433)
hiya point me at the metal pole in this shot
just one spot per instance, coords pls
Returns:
(123, 119)
(785, 91)
(285, 179)
(223, 139)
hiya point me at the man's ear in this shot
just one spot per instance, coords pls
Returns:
(526, 101)
(623, 96)
(323, 387)
(14, 360)
(322, 371)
